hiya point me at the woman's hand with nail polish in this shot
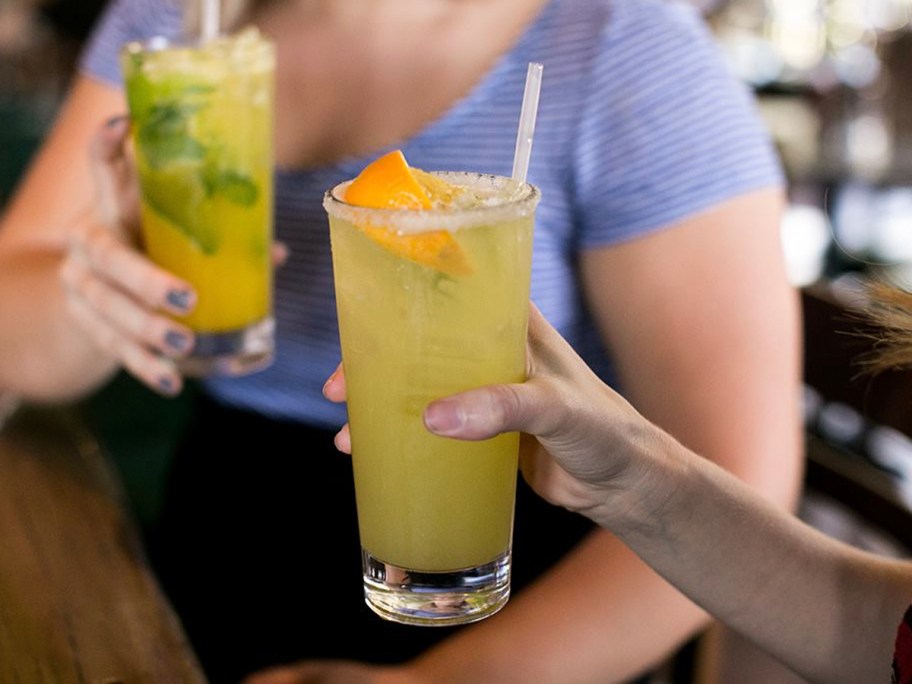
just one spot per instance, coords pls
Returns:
(118, 296)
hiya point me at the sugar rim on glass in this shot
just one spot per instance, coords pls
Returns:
(519, 203)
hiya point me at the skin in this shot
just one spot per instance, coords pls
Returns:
(73, 222)
(680, 365)
(825, 609)
(680, 338)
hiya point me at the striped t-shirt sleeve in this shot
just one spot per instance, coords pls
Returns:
(124, 21)
(667, 130)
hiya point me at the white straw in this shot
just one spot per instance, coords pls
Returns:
(210, 20)
(527, 117)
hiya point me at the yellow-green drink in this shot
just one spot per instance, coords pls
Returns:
(202, 121)
(421, 319)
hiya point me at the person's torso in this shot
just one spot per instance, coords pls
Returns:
(477, 132)
(639, 126)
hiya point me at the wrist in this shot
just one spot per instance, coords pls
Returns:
(639, 498)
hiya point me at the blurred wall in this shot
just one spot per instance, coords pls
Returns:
(39, 46)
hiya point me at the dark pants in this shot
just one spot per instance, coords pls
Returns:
(257, 548)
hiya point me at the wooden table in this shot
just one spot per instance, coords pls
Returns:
(78, 602)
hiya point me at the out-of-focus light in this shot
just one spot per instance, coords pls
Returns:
(805, 238)
(842, 34)
(886, 15)
(899, 275)
(856, 65)
(851, 224)
(892, 234)
(868, 145)
(794, 9)
(801, 44)
(811, 403)
(752, 58)
(846, 18)
(840, 422)
(891, 448)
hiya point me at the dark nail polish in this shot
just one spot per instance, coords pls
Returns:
(166, 384)
(176, 340)
(115, 121)
(179, 299)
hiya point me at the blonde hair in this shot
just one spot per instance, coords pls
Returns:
(889, 308)
(233, 13)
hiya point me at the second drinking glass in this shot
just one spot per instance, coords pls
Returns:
(202, 121)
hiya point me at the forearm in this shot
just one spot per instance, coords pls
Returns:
(600, 616)
(826, 610)
(44, 356)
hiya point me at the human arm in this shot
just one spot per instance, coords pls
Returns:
(825, 609)
(828, 611)
(702, 325)
(601, 614)
(66, 255)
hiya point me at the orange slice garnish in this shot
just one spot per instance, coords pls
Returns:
(390, 183)
(438, 249)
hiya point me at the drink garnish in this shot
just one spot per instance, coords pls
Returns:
(183, 172)
(390, 183)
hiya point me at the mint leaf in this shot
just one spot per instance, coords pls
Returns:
(232, 185)
(238, 188)
(164, 137)
(182, 174)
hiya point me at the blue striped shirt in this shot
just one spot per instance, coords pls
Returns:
(640, 126)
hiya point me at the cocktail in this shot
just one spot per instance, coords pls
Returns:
(202, 121)
(432, 288)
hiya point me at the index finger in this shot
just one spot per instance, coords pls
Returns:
(107, 153)
(334, 389)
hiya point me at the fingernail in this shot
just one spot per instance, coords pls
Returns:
(166, 384)
(180, 299)
(176, 340)
(328, 380)
(444, 417)
(116, 121)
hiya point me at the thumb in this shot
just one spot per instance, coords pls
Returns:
(107, 145)
(113, 172)
(488, 411)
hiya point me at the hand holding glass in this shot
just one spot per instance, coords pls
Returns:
(202, 130)
(432, 302)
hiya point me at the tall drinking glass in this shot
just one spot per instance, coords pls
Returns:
(202, 122)
(435, 514)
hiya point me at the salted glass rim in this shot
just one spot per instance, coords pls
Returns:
(520, 204)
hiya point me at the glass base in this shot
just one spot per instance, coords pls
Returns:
(237, 352)
(435, 598)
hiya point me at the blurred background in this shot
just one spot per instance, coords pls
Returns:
(829, 77)
(40, 42)
(832, 80)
